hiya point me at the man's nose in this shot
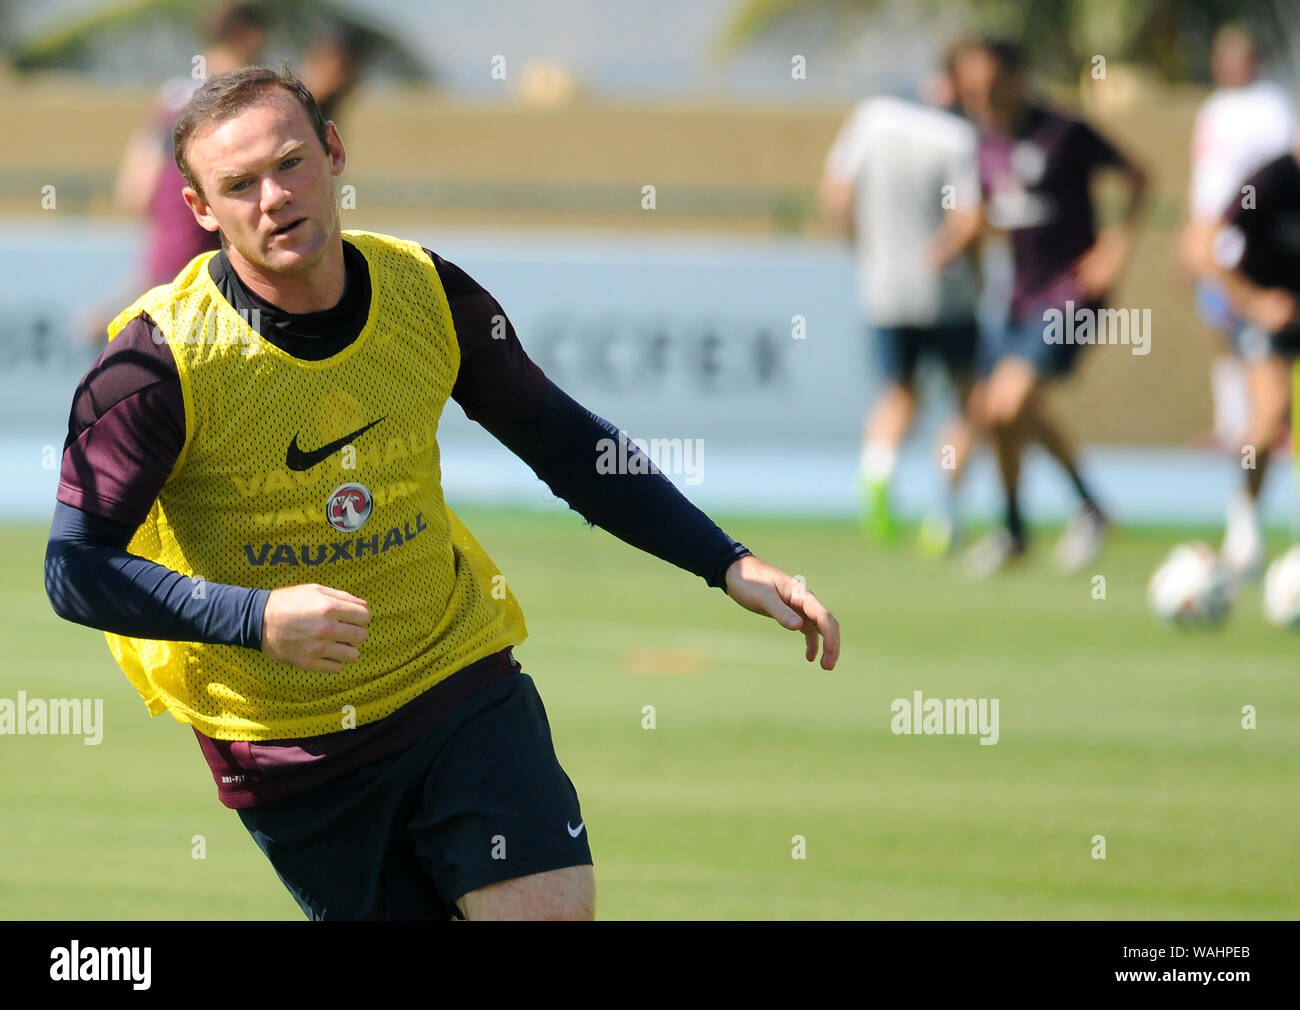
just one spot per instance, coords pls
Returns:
(274, 195)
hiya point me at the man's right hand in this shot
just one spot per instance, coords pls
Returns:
(315, 627)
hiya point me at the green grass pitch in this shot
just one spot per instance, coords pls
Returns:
(1109, 725)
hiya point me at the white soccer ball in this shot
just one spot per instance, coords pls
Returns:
(1190, 588)
(1282, 590)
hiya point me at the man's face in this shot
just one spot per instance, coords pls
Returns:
(990, 95)
(268, 184)
(1232, 61)
(974, 72)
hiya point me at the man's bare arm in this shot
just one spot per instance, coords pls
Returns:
(1099, 268)
(1220, 249)
(836, 197)
(960, 232)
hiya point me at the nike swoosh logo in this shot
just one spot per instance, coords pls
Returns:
(574, 832)
(302, 459)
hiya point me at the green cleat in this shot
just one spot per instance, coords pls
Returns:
(878, 521)
(936, 537)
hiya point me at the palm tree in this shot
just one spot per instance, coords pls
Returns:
(1170, 35)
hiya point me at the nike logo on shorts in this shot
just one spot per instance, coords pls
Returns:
(574, 832)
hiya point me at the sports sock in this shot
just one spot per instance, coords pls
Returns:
(1082, 489)
(1241, 513)
(948, 503)
(1014, 524)
(877, 461)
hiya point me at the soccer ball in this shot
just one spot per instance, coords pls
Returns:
(1190, 588)
(1282, 590)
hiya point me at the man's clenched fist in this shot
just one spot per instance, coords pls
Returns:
(315, 627)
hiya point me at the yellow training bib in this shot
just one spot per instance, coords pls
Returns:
(315, 471)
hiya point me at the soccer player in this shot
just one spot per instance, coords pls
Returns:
(895, 170)
(1036, 170)
(1256, 256)
(332, 66)
(1246, 123)
(250, 506)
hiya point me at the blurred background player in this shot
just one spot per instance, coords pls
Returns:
(332, 67)
(1036, 169)
(1256, 255)
(148, 181)
(1242, 124)
(1245, 123)
(895, 170)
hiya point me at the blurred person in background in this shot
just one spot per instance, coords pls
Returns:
(1037, 166)
(895, 170)
(149, 182)
(332, 67)
(1245, 123)
(1256, 257)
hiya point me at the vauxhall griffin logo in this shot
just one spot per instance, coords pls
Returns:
(304, 459)
(349, 506)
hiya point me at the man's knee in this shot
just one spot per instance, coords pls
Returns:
(1009, 392)
(1000, 414)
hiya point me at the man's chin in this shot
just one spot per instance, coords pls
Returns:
(303, 252)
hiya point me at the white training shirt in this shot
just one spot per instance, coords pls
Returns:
(1237, 130)
(906, 161)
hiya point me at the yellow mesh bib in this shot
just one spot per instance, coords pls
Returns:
(315, 471)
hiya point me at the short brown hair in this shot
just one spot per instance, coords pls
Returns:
(225, 95)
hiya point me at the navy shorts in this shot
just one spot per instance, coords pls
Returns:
(481, 799)
(899, 349)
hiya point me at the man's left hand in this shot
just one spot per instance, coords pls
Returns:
(765, 589)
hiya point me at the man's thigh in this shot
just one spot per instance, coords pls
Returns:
(568, 893)
(1008, 390)
(497, 814)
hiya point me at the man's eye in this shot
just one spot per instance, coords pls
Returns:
(290, 162)
(240, 186)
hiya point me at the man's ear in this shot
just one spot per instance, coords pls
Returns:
(199, 207)
(334, 145)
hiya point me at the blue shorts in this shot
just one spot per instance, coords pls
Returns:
(1026, 339)
(899, 349)
(1253, 343)
(1214, 307)
(1248, 341)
